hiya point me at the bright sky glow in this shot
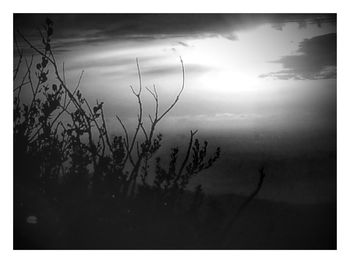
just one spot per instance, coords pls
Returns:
(222, 75)
(261, 90)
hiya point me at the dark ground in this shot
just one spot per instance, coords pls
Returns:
(76, 222)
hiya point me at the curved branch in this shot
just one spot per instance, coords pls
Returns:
(187, 155)
(178, 95)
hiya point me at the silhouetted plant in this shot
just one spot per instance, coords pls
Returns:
(171, 182)
(64, 151)
(54, 134)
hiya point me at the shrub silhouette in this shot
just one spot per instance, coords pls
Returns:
(58, 158)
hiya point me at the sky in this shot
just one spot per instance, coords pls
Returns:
(260, 86)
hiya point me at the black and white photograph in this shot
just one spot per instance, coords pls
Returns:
(174, 131)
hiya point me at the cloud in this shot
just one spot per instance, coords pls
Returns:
(91, 27)
(230, 36)
(86, 62)
(315, 59)
(165, 69)
(171, 69)
(183, 44)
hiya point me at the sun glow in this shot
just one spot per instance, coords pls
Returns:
(230, 81)
(229, 71)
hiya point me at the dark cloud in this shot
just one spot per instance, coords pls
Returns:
(168, 70)
(183, 44)
(105, 26)
(316, 59)
(176, 69)
(109, 62)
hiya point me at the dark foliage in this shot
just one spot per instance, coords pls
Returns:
(89, 189)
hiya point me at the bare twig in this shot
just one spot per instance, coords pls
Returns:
(65, 107)
(139, 123)
(97, 126)
(105, 129)
(193, 133)
(20, 52)
(244, 205)
(178, 95)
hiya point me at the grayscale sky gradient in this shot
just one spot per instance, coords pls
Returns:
(263, 87)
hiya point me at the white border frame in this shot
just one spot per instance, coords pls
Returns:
(178, 6)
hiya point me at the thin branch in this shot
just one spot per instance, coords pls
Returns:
(19, 87)
(144, 131)
(155, 96)
(150, 118)
(33, 47)
(137, 149)
(193, 133)
(63, 73)
(127, 144)
(64, 80)
(139, 74)
(178, 95)
(133, 91)
(65, 107)
(20, 52)
(97, 126)
(138, 96)
(29, 72)
(76, 87)
(244, 205)
(53, 62)
(106, 131)
(125, 130)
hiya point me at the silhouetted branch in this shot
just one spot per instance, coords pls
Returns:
(105, 129)
(65, 107)
(244, 205)
(185, 161)
(98, 128)
(20, 52)
(128, 157)
(178, 95)
(29, 66)
(156, 99)
(255, 192)
(139, 123)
